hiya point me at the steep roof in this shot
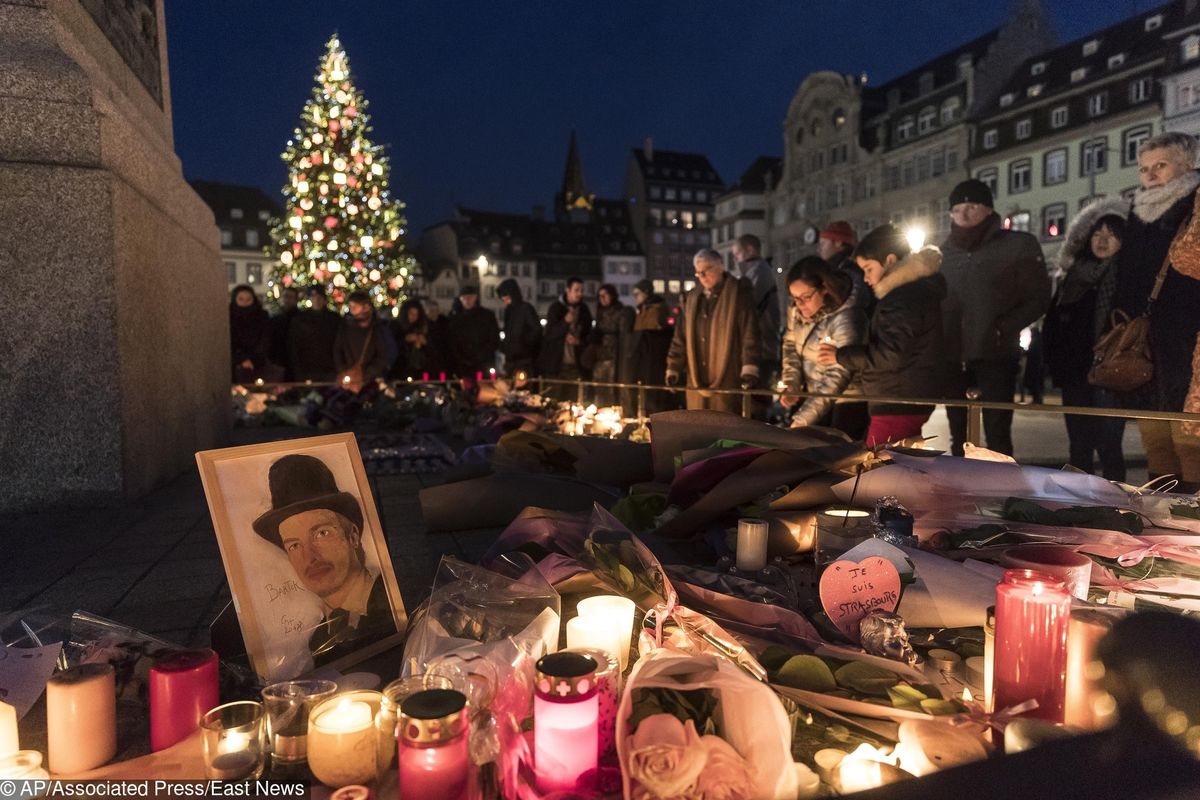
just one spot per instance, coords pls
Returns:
(764, 170)
(224, 198)
(670, 165)
(943, 68)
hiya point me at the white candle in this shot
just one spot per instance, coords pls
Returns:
(751, 544)
(9, 743)
(81, 718)
(618, 613)
(343, 742)
(594, 632)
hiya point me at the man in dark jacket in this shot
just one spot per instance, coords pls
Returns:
(281, 325)
(759, 273)
(311, 338)
(363, 342)
(568, 326)
(474, 336)
(1161, 205)
(716, 338)
(522, 330)
(997, 286)
(836, 247)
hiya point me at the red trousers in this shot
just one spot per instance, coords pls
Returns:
(894, 427)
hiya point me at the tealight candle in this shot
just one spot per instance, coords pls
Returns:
(22, 764)
(618, 613)
(183, 687)
(81, 718)
(9, 740)
(565, 720)
(343, 739)
(233, 741)
(434, 759)
(594, 632)
(751, 545)
(1033, 611)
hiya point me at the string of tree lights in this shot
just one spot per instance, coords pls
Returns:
(341, 226)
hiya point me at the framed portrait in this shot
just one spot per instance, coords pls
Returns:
(305, 553)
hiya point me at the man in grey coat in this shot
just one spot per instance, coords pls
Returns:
(998, 286)
(761, 276)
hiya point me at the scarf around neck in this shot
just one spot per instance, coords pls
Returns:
(969, 239)
(1150, 204)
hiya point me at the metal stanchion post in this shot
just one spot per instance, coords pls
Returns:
(746, 400)
(974, 418)
(641, 400)
(579, 391)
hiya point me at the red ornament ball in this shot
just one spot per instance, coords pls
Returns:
(287, 280)
(357, 265)
(334, 125)
(330, 222)
(316, 158)
(351, 111)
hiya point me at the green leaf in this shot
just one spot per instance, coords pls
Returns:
(807, 672)
(774, 657)
(939, 707)
(867, 678)
(904, 696)
(625, 577)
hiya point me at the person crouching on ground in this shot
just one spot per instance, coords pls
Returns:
(902, 357)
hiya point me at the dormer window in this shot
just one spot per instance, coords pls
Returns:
(1078, 74)
(925, 83)
(1006, 100)
(964, 65)
(1116, 61)
(1034, 91)
(1191, 47)
(235, 213)
(1038, 68)
(1154, 23)
(1090, 47)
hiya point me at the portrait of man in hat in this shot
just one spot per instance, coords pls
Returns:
(320, 529)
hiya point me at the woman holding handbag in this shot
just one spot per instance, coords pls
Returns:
(364, 349)
(1150, 282)
(1077, 318)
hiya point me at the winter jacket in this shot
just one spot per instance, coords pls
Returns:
(841, 327)
(522, 337)
(554, 341)
(761, 276)
(903, 354)
(1175, 319)
(281, 326)
(863, 296)
(995, 291)
(249, 340)
(613, 334)
(474, 340)
(652, 340)
(716, 340)
(352, 344)
(310, 344)
(1080, 310)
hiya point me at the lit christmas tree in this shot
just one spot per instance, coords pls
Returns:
(341, 227)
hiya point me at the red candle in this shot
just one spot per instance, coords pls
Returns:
(433, 757)
(1033, 612)
(425, 377)
(478, 376)
(566, 721)
(183, 687)
(442, 377)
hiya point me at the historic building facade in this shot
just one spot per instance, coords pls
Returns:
(243, 215)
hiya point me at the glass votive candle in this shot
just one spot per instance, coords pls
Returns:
(288, 705)
(566, 712)
(22, 764)
(346, 739)
(396, 692)
(839, 530)
(434, 753)
(616, 611)
(234, 741)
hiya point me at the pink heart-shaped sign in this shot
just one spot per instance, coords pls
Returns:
(850, 591)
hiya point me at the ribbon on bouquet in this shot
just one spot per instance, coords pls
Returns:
(1138, 554)
(977, 714)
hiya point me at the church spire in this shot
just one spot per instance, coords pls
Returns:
(575, 195)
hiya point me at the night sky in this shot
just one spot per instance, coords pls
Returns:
(474, 100)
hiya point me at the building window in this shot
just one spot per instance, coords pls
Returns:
(839, 194)
(1019, 174)
(870, 184)
(1059, 117)
(839, 117)
(701, 219)
(1054, 221)
(701, 196)
(251, 238)
(990, 138)
(490, 292)
(231, 267)
(502, 270)
(904, 130)
(1139, 90)
(235, 213)
(1093, 156)
(1090, 47)
(687, 219)
(950, 110)
(685, 195)
(669, 194)
(908, 170)
(1024, 128)
(1154, 23)
(923, 164)
(1038, 68)
(655, 193)
(926, 119)
(951, 159)
(1097, 104)
(1191, 47)
(925, 83)
(264, 215)
(660, 286)
(673, 287)
(1078, 74)
(253, 272)
(1129, 144)
(1034, 91)
(1017, 221)
(226, 237)
(1006, 100)
(937, 162)
(1116, 61)
(1054, 168)
(658, 237)
(964, 66)
(1189, 95)
(544, 287)
(990, 177)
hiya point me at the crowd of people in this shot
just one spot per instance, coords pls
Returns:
(869, 317)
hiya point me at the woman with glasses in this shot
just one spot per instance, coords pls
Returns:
(825, 309)
(902, 356)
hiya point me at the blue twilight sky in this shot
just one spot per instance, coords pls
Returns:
(475, 99)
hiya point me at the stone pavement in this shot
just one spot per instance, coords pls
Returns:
(154, 565)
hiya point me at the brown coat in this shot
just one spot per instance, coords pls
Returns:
(733, 341)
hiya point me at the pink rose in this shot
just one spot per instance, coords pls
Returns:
(726, 775)
(665, 756)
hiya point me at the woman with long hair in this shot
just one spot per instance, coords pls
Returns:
(249, 334)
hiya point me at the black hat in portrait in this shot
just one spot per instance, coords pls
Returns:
(300, 483)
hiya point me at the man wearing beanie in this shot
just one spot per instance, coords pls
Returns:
(836, 248)
(998, 286)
